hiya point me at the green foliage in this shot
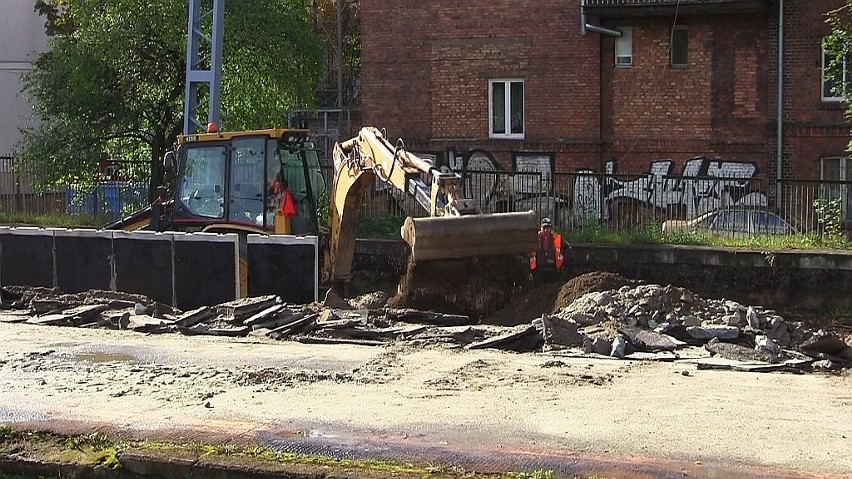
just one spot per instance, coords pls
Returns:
(384, 226)
(838, 46)
(56, 221)
(323, 209)
(829, 213)
(272, 62)
(652, 234)
(112, 84)
(95, 440)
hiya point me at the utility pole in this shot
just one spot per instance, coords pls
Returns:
(203, 64)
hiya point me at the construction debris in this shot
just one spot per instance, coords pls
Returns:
(631, 322)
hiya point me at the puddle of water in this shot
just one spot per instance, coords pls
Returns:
(104, 357)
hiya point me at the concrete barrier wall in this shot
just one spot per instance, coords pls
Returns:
(138, 262)
(206, 269)
(286, 266)
(180, 269)
(147, 252)
(26, 257)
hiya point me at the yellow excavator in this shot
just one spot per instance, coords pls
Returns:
(230, 182)
(453, 228)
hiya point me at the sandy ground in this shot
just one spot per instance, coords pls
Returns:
(527, 405)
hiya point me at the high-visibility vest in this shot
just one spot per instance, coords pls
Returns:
(559, 260)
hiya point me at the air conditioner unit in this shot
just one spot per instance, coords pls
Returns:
(623, 60)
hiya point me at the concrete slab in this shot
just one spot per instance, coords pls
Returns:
(206, 269)
(283, 265)
(26, 256)
(143, 264)
(83, 260)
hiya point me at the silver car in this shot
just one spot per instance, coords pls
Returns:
(733, 221)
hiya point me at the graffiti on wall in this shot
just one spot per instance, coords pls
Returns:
(702, 185)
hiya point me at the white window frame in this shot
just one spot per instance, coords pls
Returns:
(507, 104)
(823, 80)
(624, 48)
(841, 191)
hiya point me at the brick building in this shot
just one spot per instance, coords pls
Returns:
(606, 85)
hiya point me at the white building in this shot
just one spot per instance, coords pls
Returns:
(22, 37)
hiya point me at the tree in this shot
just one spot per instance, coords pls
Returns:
(348, 59)
(837, 47)
(112, 84)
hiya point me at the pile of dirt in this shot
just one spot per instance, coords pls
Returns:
(475, 287)
(550, 298)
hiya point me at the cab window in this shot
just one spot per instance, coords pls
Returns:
(201, 189)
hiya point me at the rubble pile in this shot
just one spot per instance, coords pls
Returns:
(650, 318)
(644, 321)
(364, 320)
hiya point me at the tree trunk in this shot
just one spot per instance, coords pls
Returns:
(158, 150)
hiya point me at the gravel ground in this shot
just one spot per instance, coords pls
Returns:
(531, 405)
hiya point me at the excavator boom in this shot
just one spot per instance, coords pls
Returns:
(453, 227)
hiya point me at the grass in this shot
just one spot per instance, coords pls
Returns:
(99, 451)
(388, 226)
(53, 221)
(652, 234)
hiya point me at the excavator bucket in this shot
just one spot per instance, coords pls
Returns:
(456, 237)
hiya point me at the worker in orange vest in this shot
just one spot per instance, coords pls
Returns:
(547, 261)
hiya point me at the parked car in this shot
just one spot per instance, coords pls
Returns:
(733, 221)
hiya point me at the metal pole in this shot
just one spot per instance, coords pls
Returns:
(779, 156)
(203, 67)
(340, 53)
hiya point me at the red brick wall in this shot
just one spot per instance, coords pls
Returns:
(812, 129)
(426, 66)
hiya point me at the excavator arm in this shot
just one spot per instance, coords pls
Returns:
(455, 228)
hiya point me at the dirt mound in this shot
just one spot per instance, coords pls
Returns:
(587, 283)
(475, 287)
(550, 298)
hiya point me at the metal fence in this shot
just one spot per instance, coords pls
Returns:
(574, 201)
(110, 199)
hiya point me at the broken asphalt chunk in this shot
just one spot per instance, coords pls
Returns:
(650, 341)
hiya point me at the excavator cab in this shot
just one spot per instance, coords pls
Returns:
(233, 181)
(236, 179)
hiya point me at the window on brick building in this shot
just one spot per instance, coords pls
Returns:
(624, 47)
(680, 47)
(837, 169)
(835, 76)
(506, 108)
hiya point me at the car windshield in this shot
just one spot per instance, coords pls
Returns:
(731, 221)
(765, 222)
